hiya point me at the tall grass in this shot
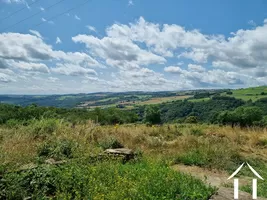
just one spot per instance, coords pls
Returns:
(106, 180)
(207, 146)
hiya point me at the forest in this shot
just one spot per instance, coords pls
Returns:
(217, 110)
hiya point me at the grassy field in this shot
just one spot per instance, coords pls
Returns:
(149, 177)
(130, 104)
(199, 100)
(249, 93)
(162, 100)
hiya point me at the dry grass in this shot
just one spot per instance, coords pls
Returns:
(19, 146)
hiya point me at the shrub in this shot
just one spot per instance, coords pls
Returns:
(106, 180)
(43, 127)
(262, 142)
(196, 131)
(13, 123)
(110, 143)
(214, 153)
(191, 120)
(36, 183)
(58, 149)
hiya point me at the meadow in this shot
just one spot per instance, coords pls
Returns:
(25, 149)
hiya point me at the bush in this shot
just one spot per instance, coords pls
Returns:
(213, 153)
(43, 127)
(13, 123)
(196, 132)
(106, 180)
(110, 143)
(262, 142)
(191, 120)
(58, 149)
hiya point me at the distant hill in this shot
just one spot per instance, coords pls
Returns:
(128, 100)
(253, 93)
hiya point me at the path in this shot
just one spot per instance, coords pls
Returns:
(217, 179)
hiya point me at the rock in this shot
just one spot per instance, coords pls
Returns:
(52, 161)
(27, 167)
(120, 151)
(128, 154)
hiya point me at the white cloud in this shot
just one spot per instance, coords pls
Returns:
(53, 79)
(42, 9)
(49, 22)
(13, 1)
(36, 33)
(245, 49)
(119, 52)
(91, 28)
(30, 48)
(76, 17)
(130, 3)
(27, 66)
(4, 78)
(173, 69)
(73, 70)
(58, 40)
(197, 68)
(252, 23)
(129, 54)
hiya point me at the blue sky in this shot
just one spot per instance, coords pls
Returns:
(129, 45)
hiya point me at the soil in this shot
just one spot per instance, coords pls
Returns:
(217, 179)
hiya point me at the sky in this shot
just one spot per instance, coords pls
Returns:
(85, 46)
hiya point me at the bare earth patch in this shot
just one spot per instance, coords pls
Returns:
(218, 179)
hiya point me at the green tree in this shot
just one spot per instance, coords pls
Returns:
(191, 120)
(242, 116)
(152, 114)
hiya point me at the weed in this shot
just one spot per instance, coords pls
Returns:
(108, 180)
(44, 127)
(57, 149)
(110, 143)
(262, 142)
(196, 131)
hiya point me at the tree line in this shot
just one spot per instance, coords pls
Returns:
(218, 110)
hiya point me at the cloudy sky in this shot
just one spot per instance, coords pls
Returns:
(67, 46)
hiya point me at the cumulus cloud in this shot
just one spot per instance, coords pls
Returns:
(197, 76)
(25, 47)
(72, 70)
(4, 78)
(197, 68)
(244, 49)
(53, 79)
(132, 52)
(119, 52)
(28, 66)
(173, 69)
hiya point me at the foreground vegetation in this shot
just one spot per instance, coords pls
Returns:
(158, 147)
(56, 153)
(104, 180)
